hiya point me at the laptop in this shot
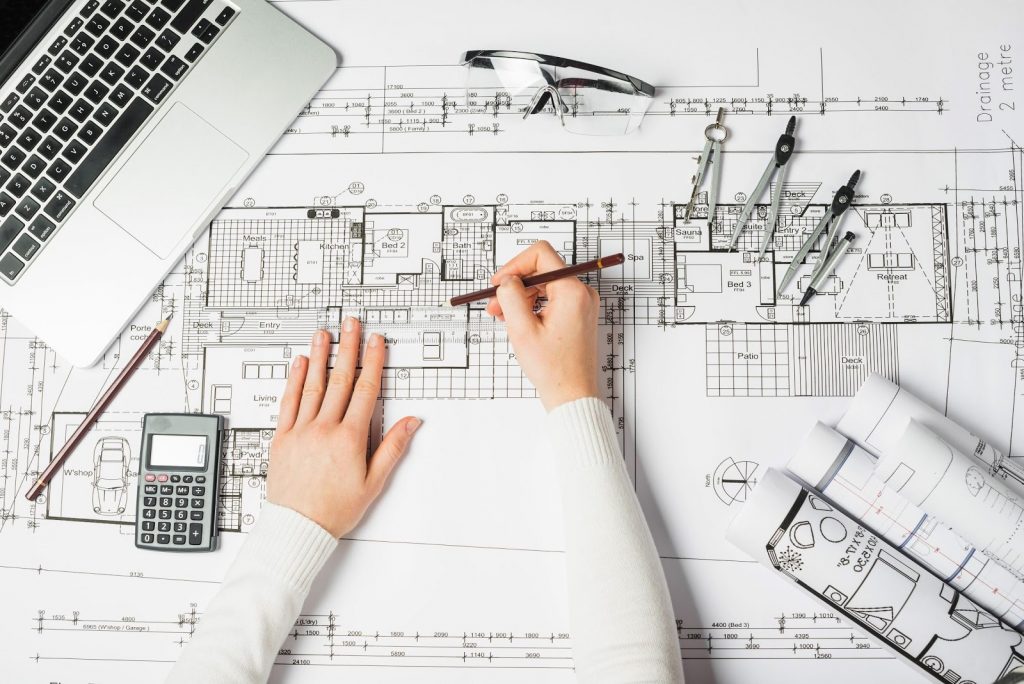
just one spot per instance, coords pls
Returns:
(125, 125)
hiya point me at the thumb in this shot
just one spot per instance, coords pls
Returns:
(387, 455)
(516, 304)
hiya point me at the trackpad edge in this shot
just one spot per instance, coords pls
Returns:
(170, 180)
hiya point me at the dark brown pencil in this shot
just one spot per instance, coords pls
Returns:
(100, 406)
(541, 278)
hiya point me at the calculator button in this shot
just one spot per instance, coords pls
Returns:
(163, 527)
(165, 501)
(181, 503)
(195, 515)
(165, 514)
(179, 539)
(181, 490)
(149, 501)
(181, 514)
(195, 534)
(198, 491)
(175, 478)
(150, 489)
(200, 479)
(180, 527)
(187, 478)
(163, 539)
(166, 490)
(147, 538)
(149, 513)
(147, 525)
(150, 477)
(161, 478)
(197, 503)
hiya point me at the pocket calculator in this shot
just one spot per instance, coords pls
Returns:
(178, 482)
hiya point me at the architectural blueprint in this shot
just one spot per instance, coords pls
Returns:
(395, 189)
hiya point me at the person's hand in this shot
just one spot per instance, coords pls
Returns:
(557, 347)
(318, 463)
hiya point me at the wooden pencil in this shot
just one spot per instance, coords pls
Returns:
(541, 278)
(101, 404)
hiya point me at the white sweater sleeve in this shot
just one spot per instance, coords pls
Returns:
(240, 632)
(621, 619)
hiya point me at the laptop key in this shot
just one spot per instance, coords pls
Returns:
(6, 204)
(9, 230)
(89, 132)
(97, 25)
(6, 135)
(13, 157)
(189, 14)
(20, 116)
(82, 43)
(50, 147)
(18, 186)
(26, 247)
(106, 113)
(28, 139)
(73, 27)
(10, 266)
(122, 28)
(57, 45)
(65, 129)
(60, 102)
(143, 36)
(172, 5)
(167, 40)
(4, 175)
(58, 170)
(44, 120)
(112, 73)
(58, 207)
(106, 47)
(136, 77)
(25, 83)
(205, 31)
(158, 18)
(90, 7)
(67, 61)
(174, 67)
(112, 8)
(41, 64)
(42, 227)
(36, 98)
(51, 79)
(225, 16)
(121, 95)
(137, 10)
(81, 110)
(8, 103)
(74, 151)
(157, 88)
(193, 52)
(127, 54)
(133, 116)
(91, 65)
(76, 83)
(34, 166)
(27, 208)
(43, 189)
(152, 59)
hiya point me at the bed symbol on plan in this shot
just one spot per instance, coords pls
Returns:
(110, 475)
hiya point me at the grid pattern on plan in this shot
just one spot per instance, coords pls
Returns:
(747, 360)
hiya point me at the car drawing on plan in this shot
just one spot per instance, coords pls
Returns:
(110, 475)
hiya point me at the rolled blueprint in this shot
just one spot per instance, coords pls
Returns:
(933, 626)
(958, 490)
(845, 475)
(881, 410)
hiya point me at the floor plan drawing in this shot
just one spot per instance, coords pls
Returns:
(396, 189)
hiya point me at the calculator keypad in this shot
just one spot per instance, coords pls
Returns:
(173, 513)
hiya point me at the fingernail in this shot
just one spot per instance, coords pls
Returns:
(318, 338)
(375, 340)
(296, 362)
(412, 425)
(349, 324)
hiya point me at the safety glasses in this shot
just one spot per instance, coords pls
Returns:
(588, 99)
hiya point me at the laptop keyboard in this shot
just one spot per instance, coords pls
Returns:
(99, 81)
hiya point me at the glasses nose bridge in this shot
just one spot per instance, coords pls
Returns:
(539, 100)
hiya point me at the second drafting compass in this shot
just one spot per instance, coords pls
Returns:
(783, 151)
(711, 157)
(833, 216)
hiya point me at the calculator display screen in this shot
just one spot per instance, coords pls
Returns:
(177, 451)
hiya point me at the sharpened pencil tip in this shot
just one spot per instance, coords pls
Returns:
(162, 325)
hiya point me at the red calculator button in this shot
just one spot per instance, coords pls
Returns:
(161, 478)
(150, 477)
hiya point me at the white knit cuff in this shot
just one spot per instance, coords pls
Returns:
(582, 433)
(287, 546)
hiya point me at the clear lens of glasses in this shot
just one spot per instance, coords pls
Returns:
(591, 101)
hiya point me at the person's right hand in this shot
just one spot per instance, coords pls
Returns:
(557, 347)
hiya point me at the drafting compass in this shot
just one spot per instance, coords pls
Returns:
(833, 217)
(783, 151)
(716, 134)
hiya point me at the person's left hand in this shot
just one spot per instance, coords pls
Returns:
(318, 464)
